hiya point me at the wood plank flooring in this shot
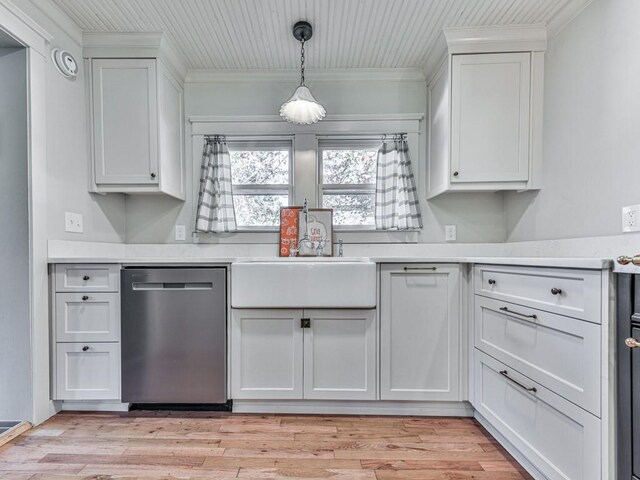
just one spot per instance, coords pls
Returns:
(203, 445)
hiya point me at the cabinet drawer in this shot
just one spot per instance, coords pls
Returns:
(561, 353)
(87, 371)
(87, 278)
(87, 317)
(557, 437)
(575, 293)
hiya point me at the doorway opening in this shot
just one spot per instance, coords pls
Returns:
(16, 389)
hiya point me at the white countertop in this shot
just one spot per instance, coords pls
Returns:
(586, 263)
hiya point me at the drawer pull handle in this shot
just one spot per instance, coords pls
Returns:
(86, 277)
(505, 374)
(632, 342)
(491, 281)
(85, 348)
(505, 309)
(407, 269)
(85, 298)
(556, 291)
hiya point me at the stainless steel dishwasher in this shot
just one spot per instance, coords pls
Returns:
(174, 335)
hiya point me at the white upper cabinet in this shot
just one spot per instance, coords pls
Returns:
(485, 111)
(125, 118)
(490, 117)
(137, 116)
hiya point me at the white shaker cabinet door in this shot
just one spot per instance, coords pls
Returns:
(420, 332)
(340, 355)
(266, 354)
(490, 109)
(125, 121)
(87, 371)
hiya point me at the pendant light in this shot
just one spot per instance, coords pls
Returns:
(302, 108)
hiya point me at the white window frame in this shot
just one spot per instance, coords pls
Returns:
(256, 143)
(305, 165)
(342, 143)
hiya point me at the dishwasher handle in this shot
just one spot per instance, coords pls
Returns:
(182, 286)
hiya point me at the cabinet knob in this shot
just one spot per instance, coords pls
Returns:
(85, 298)
(86, 277)
(556, 291)
(153, 175)
(305, 323)
(455, 174)
(85, 348)
(491, 281)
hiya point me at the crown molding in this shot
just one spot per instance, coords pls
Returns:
(133, 45)
(315, 75)
(329, 118)
(509, 38)
(566, 15)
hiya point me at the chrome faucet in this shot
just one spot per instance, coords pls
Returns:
(320, 247)
(340, 252)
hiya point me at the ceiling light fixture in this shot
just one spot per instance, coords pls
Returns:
(302, 108)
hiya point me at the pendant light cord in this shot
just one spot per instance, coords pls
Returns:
(302, 63)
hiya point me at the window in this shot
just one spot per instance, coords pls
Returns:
(348, 181)
(262, 181)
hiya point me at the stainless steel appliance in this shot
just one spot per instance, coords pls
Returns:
(628, 367)
(174, 335)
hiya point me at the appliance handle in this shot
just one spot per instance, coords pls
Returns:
(182, 286)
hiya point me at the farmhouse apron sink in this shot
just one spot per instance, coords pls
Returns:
(309, 282)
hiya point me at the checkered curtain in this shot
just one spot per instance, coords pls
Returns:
(397, 204)
(215, 201)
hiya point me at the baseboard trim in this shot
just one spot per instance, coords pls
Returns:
(91, 406)
(509, 447)
(331, 407)
(14, 432)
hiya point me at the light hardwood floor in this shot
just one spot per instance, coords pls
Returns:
(162, 445)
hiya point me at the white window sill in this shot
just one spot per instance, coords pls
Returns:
(273, 236)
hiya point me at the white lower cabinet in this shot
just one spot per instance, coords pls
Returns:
(266, 354)
(296, 354)
(420, 332)
(561, 353)
(89, 371)
(85, 332)
(559, 438)
(340, 355)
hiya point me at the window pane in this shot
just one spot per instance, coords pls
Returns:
(349, 166)
(260, 167)
(352, 209)
(259, 210)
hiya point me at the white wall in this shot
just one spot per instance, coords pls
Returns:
(591, 129)
(67, 145)
(15, 327)
(480, 217)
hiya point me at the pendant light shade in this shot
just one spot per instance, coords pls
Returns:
(302, 108)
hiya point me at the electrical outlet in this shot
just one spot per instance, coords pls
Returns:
(73, 222)
(631, 218)
(450, 233)
(181, 233)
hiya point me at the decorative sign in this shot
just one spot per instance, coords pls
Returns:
(315, 235)
(288, 229)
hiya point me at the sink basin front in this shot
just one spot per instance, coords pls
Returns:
(303, 283)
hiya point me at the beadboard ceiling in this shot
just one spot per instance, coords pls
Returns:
(256, 34)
